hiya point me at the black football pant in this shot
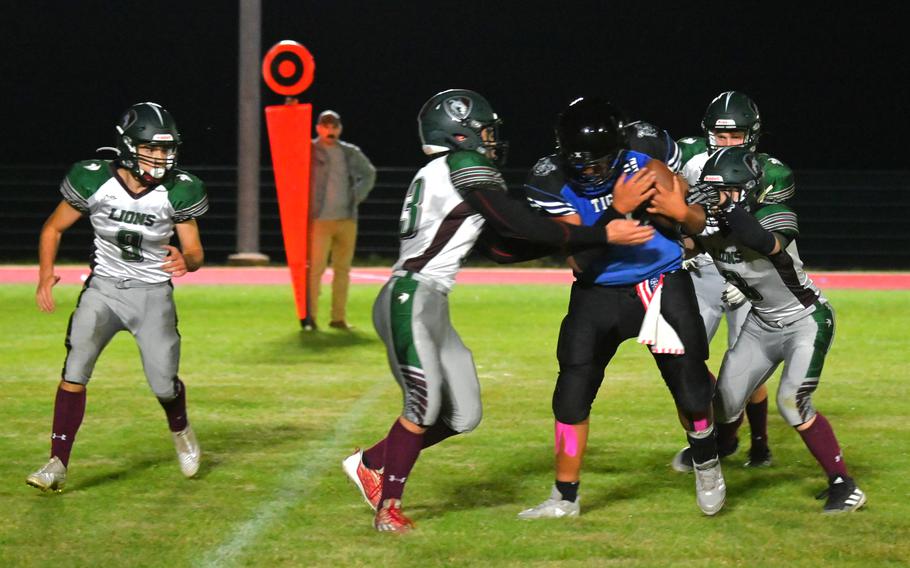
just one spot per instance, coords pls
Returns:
(601, 317)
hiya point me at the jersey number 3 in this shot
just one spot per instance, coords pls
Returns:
(410, 211)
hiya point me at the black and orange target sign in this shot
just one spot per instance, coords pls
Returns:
(288, 68)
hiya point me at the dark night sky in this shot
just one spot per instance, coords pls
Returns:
(829, 82)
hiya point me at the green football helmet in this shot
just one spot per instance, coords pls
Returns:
(732, 110)
(733, 168)
(459, 119)
(147, 124)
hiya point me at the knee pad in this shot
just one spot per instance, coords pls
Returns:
(693, 397)
(176, 390)
(569, 410)
(465, 424)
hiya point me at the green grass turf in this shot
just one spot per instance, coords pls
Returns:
(276, 410)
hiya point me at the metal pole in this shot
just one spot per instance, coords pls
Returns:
(249, 122)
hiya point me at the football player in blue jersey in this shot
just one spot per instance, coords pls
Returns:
(622, 292)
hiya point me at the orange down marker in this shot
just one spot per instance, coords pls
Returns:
(288, 69)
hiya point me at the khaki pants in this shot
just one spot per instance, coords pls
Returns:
(338, 237)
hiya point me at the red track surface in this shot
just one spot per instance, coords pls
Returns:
(281, 276)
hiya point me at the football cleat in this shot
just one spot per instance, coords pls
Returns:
(341, 324)
(51, 476)
(188, 451)
(368, 481)
(389, 518)
(843, 496)
(682, 461)
(553, 508)
(710, 489)
(759, 457)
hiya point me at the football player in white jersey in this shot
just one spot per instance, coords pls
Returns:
(135, 204)
(731, 119)
(451, 200)
(790, 321)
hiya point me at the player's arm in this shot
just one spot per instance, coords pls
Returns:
(747, 228)
(59, 221)
(512, 218)
(509, 251)
(178, 262)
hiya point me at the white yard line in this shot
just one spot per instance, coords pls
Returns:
(313, 463)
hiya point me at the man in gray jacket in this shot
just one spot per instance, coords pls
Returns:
(341, 177)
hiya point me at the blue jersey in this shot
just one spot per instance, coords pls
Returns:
(548, 191)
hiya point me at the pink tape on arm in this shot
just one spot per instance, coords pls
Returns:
(566, 434)
(701, 424)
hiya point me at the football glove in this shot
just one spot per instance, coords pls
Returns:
(733, 297)
(703, 194)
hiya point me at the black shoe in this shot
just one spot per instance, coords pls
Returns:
(309, 324)
(759, 457)
(843, 495)
(682, 461)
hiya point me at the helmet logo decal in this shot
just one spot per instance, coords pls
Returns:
(458, 108)
(717, 179)
(725, 123)
(163, 137)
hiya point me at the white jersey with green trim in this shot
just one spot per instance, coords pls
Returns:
(131, 229)
(777, 178)
(779, 290)
(438, 228)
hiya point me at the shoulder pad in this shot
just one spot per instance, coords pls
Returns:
(84, 178)
(778, 182)
(692, 146)
(473, 170)
(547, 175)
(89, 172)
(187, 195)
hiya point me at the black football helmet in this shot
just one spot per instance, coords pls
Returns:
(147, 124)
(589, 136)
(732, 110)
(459, 119)
(733, 168)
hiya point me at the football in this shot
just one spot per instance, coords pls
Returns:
(664, 179)
(664, 175)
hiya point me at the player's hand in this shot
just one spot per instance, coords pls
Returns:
(733, 297)
(628, 232)
(691, 265)
(670, 201)
(174, 263)
(631, 191)
(44, 296)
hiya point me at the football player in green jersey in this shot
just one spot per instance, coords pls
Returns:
(790, 321)
(135, 204)
(732, 119)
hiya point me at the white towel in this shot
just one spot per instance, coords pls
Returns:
(655, 331)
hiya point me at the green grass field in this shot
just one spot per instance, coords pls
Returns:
(276, 410)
